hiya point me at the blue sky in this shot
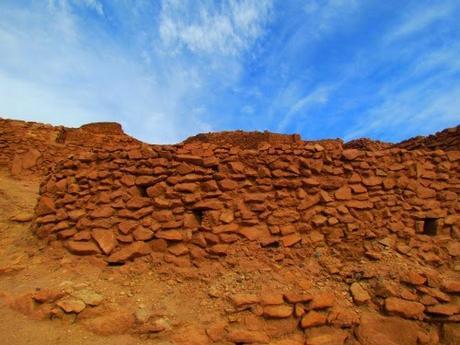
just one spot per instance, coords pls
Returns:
(168, 69)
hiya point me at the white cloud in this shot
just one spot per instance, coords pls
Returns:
(419, 19)
(446, 58)
(325, 15)
(160, 67)
(318, 96)
(58, 68)
(420, 108)
(225, 29)
(92, 4)
(418, 93)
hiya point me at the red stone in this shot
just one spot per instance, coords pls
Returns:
(277, 311)
(138, 202)
(171, 235)
(131, 251)
(45, 206)
(343, 193)
(408, 309)
(105, 239)
(351, 154)
(82, 248)
(313, 319)
(102, 212)
(228, 184)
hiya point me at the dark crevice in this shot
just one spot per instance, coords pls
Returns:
(430, 226)
(275, 244)
(116, 263)
(198, 215)
(142, 191)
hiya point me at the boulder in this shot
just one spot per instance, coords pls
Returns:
(322, 300)
(71, 305)
(277, 311)
(360, 295)
(45, 206)
(244, 336)
(326, 336)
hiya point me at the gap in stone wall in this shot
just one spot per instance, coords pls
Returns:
(430, 226)
(142, 191)
(198, 215)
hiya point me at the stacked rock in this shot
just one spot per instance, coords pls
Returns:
(30, 148)
(200, 199)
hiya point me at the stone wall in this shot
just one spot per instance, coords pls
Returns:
(30, 148)
(447, 140)
(242, 139)
(199, 200)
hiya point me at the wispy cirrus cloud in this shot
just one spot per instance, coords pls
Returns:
(318, 96)
(396, 116)
(423, 96)
(225, 29)
(93, 4)
(420, 19)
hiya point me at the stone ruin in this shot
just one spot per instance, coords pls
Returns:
(360, 207)
(30, 148)
(199, 199)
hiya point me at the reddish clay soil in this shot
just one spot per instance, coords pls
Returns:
(228, 238)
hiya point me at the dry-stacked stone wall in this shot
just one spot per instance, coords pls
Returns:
(25, 146)
(200, 199)
(30, 148)
(447, 140)
(243, 139)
